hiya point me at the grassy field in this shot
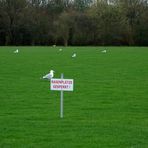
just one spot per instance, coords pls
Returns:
(107, 109)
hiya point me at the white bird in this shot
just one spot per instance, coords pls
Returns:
(104, 51)
(60, 49)
(74, 55)
(16, 51)
(49, 75)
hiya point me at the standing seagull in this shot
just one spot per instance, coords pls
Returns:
(74, 55)
(104, 51)
(49, 75)
(16, 51)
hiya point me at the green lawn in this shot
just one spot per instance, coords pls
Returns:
(107, 109)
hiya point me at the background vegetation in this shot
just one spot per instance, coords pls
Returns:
(73, 22)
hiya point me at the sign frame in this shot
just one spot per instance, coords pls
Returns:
(61, 84)
(64, 85)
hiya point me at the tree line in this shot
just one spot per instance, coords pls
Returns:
(74, 22)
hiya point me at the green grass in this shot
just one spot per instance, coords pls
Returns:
(107, 109)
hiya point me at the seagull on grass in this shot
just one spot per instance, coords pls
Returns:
(104, 51)
(16, 51)
(49, 75)
(74, 55)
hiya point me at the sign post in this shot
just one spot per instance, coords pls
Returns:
(61, 100)
(61, 85)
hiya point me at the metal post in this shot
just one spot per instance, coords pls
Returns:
(61, 100)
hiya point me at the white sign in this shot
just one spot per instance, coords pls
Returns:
(61, 84)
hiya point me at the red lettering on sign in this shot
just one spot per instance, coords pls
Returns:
(61, 81)
(60, 86)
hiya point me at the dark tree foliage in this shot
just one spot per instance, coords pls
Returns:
(74, 22)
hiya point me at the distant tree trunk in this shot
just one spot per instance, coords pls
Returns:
(7, 40)
(33, 42)
(65, 42)
(131, 40)
(131, 36)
